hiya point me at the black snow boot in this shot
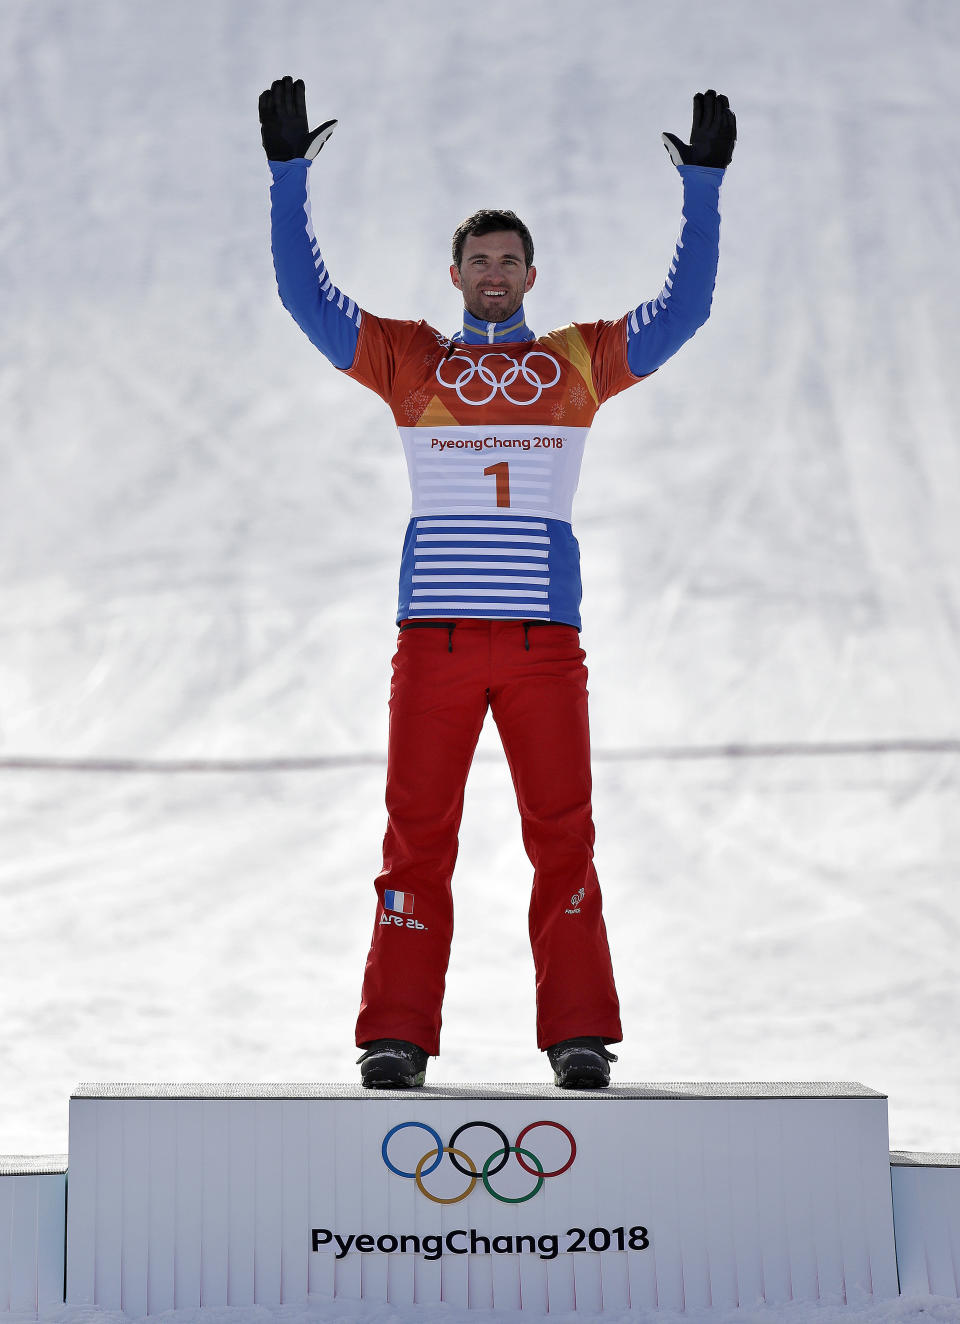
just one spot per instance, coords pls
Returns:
(392, 1064)
(581, 1064)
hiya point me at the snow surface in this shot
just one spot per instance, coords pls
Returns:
(200, 526)
(904, 1310)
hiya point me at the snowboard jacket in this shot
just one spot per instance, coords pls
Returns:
(493, 419)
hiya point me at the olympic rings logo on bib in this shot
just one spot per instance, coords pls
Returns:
(519, 375)
(495, 1162)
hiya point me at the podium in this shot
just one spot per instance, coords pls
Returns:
(483, 1196)
(926, 1197)
(32, 1216)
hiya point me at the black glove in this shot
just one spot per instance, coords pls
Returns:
(712, 136)
(283, 122)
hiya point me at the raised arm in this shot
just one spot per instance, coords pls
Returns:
(657, 329)
(324, 313)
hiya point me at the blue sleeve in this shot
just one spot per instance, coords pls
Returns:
(325, 314)
(657, 329)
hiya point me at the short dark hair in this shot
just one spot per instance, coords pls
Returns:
(486, 221)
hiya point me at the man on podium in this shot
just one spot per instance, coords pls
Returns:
(493, 420)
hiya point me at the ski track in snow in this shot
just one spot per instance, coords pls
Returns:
(770, 531)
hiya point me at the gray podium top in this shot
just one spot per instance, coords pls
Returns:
(804, 1089)
(32, 1165)
(908, 1158)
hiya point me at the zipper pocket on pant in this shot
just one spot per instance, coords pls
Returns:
(449, 626)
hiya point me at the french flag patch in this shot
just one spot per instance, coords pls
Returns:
(401, 902)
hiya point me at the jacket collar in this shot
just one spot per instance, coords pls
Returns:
(476, 332)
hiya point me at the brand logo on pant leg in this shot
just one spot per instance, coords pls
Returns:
(575, 902)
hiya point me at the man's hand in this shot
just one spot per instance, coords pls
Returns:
(283, 122)
(712, 136)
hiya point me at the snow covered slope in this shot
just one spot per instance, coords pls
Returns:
(180, 576)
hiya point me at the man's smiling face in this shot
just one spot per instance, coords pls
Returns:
(493, 275)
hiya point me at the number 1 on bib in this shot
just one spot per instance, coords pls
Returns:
(501, 472)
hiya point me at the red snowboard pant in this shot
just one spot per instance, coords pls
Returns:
(445, 677)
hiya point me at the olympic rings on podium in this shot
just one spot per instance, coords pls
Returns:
(505, 1143)
(453, 1199)
(495, 1162)
(517, 1199)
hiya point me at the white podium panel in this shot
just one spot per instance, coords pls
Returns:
(926, 1212)
(32, 1217)
(486, 1196)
